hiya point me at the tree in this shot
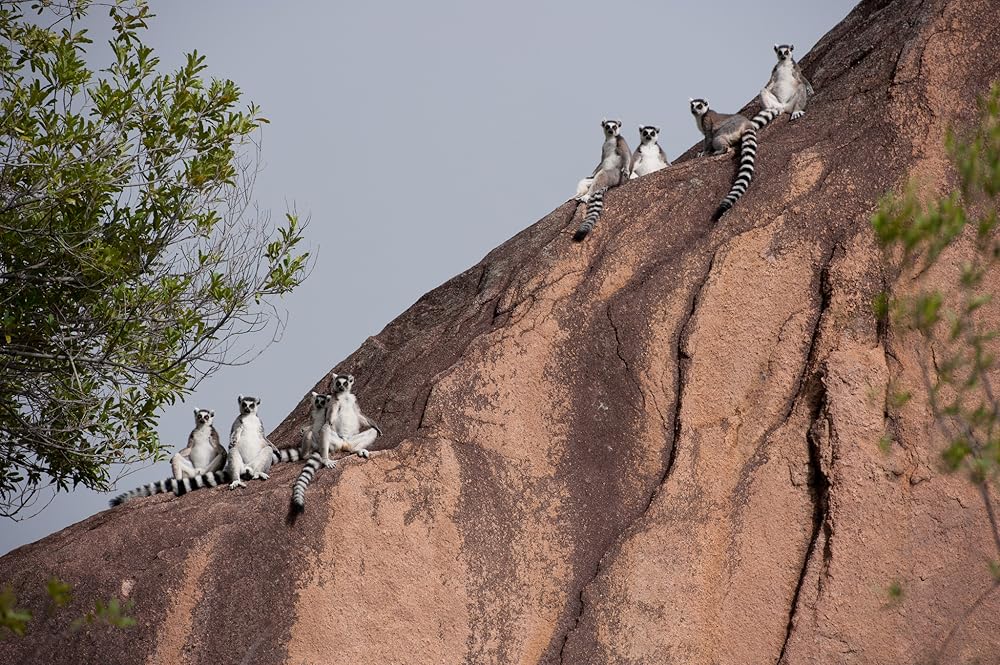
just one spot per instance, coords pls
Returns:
(957, 376)
(132, 261)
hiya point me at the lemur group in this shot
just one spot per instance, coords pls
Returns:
(337, 423)
(786, 91)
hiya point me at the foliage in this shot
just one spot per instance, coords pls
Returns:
(132, 263)
(15, 620)
(958, 383)
(956, 377)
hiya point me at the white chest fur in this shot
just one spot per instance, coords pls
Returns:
(610, 159)
(202, 450)
(347, 422)
(251, 439)
(649, 159)
(784, 82)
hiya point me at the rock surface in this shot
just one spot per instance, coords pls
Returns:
(657, 446)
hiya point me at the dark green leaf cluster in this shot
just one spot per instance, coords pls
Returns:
(131, 259)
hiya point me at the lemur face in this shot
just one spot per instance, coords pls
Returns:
(699, 106)
(203, 416)
(648, 133)
(248, 405)
(611, 127)
(783, 51)
(342, 382)
(320, 401)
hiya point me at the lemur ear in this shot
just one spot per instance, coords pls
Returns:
(690, 99)
(618, 122)
(775, 48)
(313, 393)
(211, 414)
(791, 47)
(257, 401)
(657, 129)
(196, 413)
(239, 398)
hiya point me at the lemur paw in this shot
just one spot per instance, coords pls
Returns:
(237, 483)
(199, 472)
(261, 476)
(329, 463)
(797, 114)
(364, 453)
(701, 153)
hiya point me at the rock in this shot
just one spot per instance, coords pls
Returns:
(658, 446)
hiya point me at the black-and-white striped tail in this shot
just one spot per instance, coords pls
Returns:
(211, 479)
(287, 455)
(313, 465)
(748, 153)
(159, 487)
(764, 117)
(594, 207)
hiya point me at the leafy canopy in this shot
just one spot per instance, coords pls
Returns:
(132, 261)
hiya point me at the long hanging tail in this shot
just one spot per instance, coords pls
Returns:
(313, 465)
(594, 207)
(748, 153)
(159, 487)
(210, 479)
(764, 117)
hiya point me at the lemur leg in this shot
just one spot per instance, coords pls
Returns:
(259, 465)
(217, 463)
(602, 181)
(359, 442)
(581, 189)
(798, 104)
(769, 101)
(720, 145)
(327, 437)
(306, 448)
(706, 147)
(182, 467)
(236, 468)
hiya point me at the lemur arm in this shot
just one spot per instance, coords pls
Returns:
(636, 158)
(623, 152)
(802, 79)
(368, 422)
(663, 156)
(216, 443)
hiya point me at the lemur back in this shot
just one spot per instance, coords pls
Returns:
(613, 169)
(722, 131)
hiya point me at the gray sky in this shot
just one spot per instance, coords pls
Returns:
(420, 135)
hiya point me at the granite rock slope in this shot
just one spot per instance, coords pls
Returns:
(657, 446)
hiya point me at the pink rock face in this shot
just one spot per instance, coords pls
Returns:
(658, 446)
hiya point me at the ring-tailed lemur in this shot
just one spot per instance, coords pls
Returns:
(787, 89)
(209, 478)
(341, 430)
(613, 169)
(250, 453)
(203, 453)
(649, 156)
(722, 131)
(310, 437)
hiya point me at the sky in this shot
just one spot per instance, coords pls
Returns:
(419, 135)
